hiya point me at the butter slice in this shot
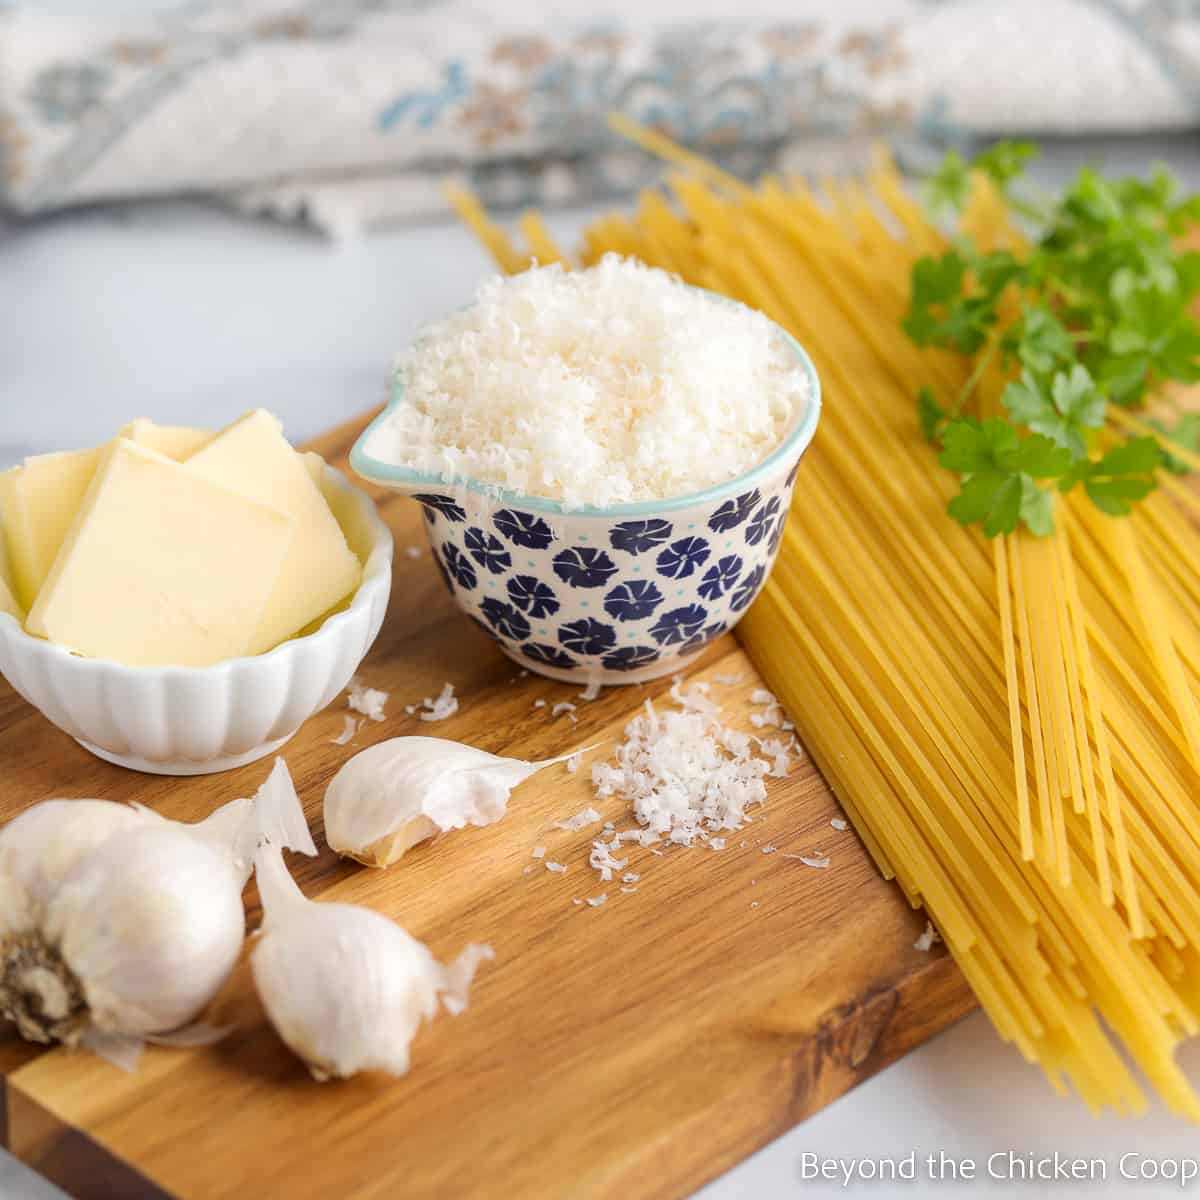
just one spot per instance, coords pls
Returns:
(175, 441)
(253, 457)
(161, 566)
(38, 502)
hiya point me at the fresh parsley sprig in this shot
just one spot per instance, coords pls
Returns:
(1102, 300)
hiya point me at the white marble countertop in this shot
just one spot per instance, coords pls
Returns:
(181, 312)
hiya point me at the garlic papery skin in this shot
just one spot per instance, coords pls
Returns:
(344, 987)
(41, 846)
(397, 793)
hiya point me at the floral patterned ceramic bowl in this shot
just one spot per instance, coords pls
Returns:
(617, 594)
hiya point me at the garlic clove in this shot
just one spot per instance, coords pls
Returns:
(345, 988)
(399, 792)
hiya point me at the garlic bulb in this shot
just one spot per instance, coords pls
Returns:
(397, 793)
(135, 934)
(344, 987)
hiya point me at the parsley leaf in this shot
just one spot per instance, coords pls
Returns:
(1039, 340)
(998, 474)
(1004, 161)
(1074, 406)
(1121, 477)
(947, 188)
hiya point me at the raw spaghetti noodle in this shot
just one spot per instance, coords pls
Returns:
(1013, 727)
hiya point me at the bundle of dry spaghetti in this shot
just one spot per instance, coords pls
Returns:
(1014, 725)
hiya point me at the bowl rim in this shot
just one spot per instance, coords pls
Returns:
(792, 447)
(377, 572)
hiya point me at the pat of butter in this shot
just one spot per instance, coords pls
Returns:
(161, 566)
(253, 457)
(175, 441)
(39, 500)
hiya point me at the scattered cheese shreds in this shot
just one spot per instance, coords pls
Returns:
(538, 852)
(683, 772)
(591, 691)
(839, 823)
(573, 762)
(557, 867)
(809, 861)
(583, 818)
(367, 700)
(716, 843)
(561, 707)
(630, 877)
(539, 703)
(445, 705)
(596, 901)
(729, 680)
(629, 889)
(601, 386)
(601, 859)
(349, 729)
(762, 696)
(927, 938)
(768, 849)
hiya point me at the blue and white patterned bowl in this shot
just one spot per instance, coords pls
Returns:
(618, 594)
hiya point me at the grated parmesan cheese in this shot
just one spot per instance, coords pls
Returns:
(927, 938)
(573, 762)
(768, 849)
(366, 700)
(630, 877)
(591, 691)
(561, 707)
(539, 703)
(716, 843)
(596, 901)
(594, 387)
(601, 859)
(538, 852)
(839, 824)
(729, 680)
(349, 729)
(583, 818)
(557, 867)
(683, 772)
(445, 705)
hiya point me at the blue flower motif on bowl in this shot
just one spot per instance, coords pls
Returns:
(718, 579)
(552, 656)
(761, 522)
(748, 588)
(532, 596)
(446, 505)
(587, 636)
(681, 558)
(633, 600)
(777, 534)
(706, 635)
(630, 658)
(679, 624)
(584, 567)
(459, 567)
(504, 619)
(487, 550)
(523, 529)
(733, 512)
(636, 537)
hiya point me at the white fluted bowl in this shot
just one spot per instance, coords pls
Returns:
(197, 720)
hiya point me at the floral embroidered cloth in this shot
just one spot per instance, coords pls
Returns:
(353, 112)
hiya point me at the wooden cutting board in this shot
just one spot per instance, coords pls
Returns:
(637, 1049)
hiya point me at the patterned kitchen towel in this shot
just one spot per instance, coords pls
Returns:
(353, 112)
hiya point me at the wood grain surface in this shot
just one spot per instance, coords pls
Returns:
(637, 1049)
